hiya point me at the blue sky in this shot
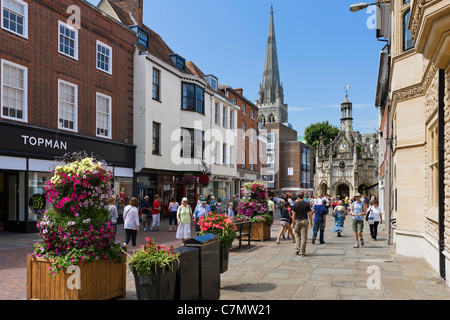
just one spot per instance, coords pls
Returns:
(322, 47)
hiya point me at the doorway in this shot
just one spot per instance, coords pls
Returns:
(2, 201)
(342, 190)
(11, 201)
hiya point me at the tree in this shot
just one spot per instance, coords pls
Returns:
(324, 130)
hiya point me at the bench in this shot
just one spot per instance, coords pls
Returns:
(243, 229)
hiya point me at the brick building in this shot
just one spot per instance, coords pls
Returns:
(289, 167)
(66, 86)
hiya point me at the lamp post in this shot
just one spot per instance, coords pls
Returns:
(363, 5)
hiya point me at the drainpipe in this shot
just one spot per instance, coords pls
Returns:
(441, 147)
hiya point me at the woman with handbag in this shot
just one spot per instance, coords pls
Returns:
(131, 222)
(339, 214)
(374, 218)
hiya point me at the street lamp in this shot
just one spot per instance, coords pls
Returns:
(361, 6)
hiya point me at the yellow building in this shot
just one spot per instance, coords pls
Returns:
(418, 107)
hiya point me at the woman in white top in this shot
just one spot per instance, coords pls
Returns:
(131, 222)
(374, 217)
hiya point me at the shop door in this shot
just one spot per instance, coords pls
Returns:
(12, 199)
(2, 201)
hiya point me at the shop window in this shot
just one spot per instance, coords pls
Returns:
(36, 189)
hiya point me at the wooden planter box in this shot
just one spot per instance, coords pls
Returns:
(100, 280)
(260, 231)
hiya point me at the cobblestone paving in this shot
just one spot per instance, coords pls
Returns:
(270, 271)
(334, 270)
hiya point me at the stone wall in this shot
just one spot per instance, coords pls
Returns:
(431, 104)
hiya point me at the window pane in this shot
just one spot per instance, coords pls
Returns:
(67, 106)
(407, 39)
(13, 91)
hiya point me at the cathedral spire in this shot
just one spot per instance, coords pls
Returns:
(271, 76)
(271, 97)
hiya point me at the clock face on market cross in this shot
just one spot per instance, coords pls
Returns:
(343, 147)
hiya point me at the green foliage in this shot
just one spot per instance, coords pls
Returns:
(147, 261)
(323, 130)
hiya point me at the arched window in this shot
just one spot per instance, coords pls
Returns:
(407, 39)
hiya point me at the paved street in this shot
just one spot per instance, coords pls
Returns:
(266, 270)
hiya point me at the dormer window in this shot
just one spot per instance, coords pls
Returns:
(179, 61)
(142, 34)
(212, 81)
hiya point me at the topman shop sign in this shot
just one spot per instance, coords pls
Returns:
(24, 141)
(44, 142)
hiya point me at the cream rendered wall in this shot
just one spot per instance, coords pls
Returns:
(167, 112)
(222, 135)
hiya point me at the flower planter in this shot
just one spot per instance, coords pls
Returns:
(159, 285)
(260, 231)
(99, 280)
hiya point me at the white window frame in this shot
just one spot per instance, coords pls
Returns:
(110, 57)
(225, 116)
(75, 125)
(25, 90)
(224, 154)
(216, 152)
(109, 113)
(231, 119)
(217, 113)
(251, 161)
(75, 49)
(231, 156)
(25, 18)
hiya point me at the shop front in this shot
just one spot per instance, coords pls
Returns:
(168, 184)
(27, 158)
(221, 187)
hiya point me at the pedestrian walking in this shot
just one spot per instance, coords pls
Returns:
(201, 211)
(131, 222)
(173, 209)
(357, 211)
(230, 211)
(113, 215)
(146, 211)
(184, 218)
(271, 205)
(156, 214)
(302, 211)
(213, 204)
(320, 221)
(219, 206)
(339, 214)
(285, 224)
(374, 217)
